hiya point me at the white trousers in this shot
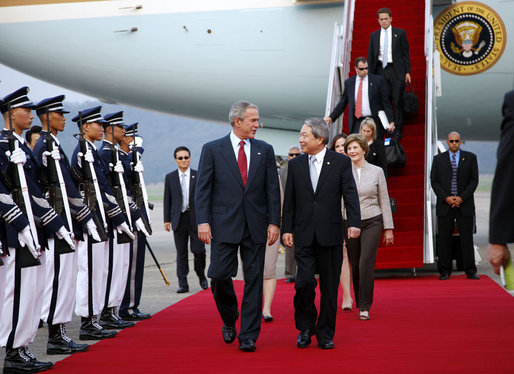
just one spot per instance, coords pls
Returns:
(21, 308)
(119, 272)
(91, 278)
(60, 285)
(2, 288)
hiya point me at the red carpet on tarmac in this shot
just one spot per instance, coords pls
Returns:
(418, 325)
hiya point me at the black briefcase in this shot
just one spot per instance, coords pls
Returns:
(395, 155)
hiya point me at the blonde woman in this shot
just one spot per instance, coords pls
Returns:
(376, 217)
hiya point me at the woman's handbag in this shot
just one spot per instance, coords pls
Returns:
(395, 155)
(410, 100)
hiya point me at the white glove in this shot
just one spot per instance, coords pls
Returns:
(139, 141)
(62, 233)
(92, 231)
(26, 240)
(124, 228)
(89, 156)
(118, 168)
(139, 167)
(17, 156)
(140, 226)
(56, 155)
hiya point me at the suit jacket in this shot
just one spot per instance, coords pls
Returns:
(173, 198)
(225, 203)
(308, 212)
(400, 52)
(378, 100)
(501, 220)
(467, 181)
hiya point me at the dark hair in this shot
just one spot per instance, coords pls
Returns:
(336, 138)
(33, 130)
(384, 10)
(360, 59)
(181, 148)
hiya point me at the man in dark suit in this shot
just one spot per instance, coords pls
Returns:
(388, 56)
(365, 94)
(454, 178)
(238, 207)
(312, 221)
(501, 220)
(179, 216)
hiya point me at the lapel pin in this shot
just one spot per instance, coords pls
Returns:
(192, 176)
(258, 153)
(395, 35)
(328, 162)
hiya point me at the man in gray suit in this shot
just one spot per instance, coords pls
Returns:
(290, 268)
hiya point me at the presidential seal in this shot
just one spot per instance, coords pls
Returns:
(470, 37)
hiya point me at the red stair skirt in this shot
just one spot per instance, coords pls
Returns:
(406, 184)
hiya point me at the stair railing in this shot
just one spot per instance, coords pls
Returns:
(340, 63)
(430, 137)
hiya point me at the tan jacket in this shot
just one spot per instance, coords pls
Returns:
(373, 195)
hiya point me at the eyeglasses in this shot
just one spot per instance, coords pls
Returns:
(454, 141)
(180, 158)
(361, 69)
(293, 154)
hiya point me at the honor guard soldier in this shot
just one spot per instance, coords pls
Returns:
(90, 174)
(119, 245)
(21, 175)
(130, 154)
(61, 267)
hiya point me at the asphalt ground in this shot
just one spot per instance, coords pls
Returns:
(157, 296)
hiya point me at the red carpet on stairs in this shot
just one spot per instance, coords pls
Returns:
(405, 185)
(418, 325)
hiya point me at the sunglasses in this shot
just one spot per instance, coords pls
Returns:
(454, 141)
(293, 154)
(183, 158)
(361, 69)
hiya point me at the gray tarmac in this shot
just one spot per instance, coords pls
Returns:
(157, 296)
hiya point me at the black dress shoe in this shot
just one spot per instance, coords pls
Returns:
(247, 346)
(20, 360)
(135, 315)
(444, 277)
(204, 283)
(91, 330)
(289, 280)
(229, 333)
(60, 344)
(267, 318)
(304, 338)
(183, 289)
(326, 345)
(111, 320)
(473, 276)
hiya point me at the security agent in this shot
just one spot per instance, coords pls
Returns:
(61, 269)
(131, 146)
(18, 329)
(180, 216)
(92, 274)
(119, 253)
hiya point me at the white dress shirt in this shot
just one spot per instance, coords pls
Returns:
(366, 110)
(319, 160)
(235, 145)
(188, 174)
(389, 41)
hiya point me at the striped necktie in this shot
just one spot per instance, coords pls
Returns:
(454, 176)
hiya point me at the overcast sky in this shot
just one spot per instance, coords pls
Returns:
(11, 80)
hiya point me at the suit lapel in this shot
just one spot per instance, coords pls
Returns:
(304, 170)
(325, 170)
(255, 160)
(178, 186)
(227, 152)
(192, 184)
(462, 159)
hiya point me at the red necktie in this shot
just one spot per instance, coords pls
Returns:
(241, 162)
(358, 103)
